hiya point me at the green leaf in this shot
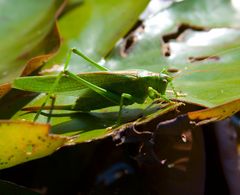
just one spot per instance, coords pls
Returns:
(94, 27)
(24, 25)
(209, 82)
(213, 80)
(204, 13)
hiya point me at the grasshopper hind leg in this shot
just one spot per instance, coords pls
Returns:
(65, 71)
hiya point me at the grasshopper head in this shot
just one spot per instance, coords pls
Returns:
(166, 77)
(159, 82)
(162, 82)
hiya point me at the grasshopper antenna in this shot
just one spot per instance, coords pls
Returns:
(98, 66)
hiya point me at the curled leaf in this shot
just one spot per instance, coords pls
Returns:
(216, 113)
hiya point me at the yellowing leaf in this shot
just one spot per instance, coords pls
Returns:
(4, 88)
(23, 141)
(216, 113)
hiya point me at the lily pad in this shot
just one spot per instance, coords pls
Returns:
(205, 13)
(208, 82)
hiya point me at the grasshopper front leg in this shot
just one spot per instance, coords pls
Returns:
(123, 96)
(153, 94)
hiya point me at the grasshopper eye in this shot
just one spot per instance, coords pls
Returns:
(165, 77)
(165, 81)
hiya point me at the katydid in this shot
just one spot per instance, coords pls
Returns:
(102, 89)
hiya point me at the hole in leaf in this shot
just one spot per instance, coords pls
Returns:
(177, 35)
(201, 58)
(131, 38)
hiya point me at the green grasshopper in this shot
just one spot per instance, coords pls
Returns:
(102, 89)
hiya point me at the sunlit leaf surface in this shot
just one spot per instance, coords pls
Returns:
(24, 141)
(206, 61)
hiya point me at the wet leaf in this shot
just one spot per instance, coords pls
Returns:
(24, 141)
